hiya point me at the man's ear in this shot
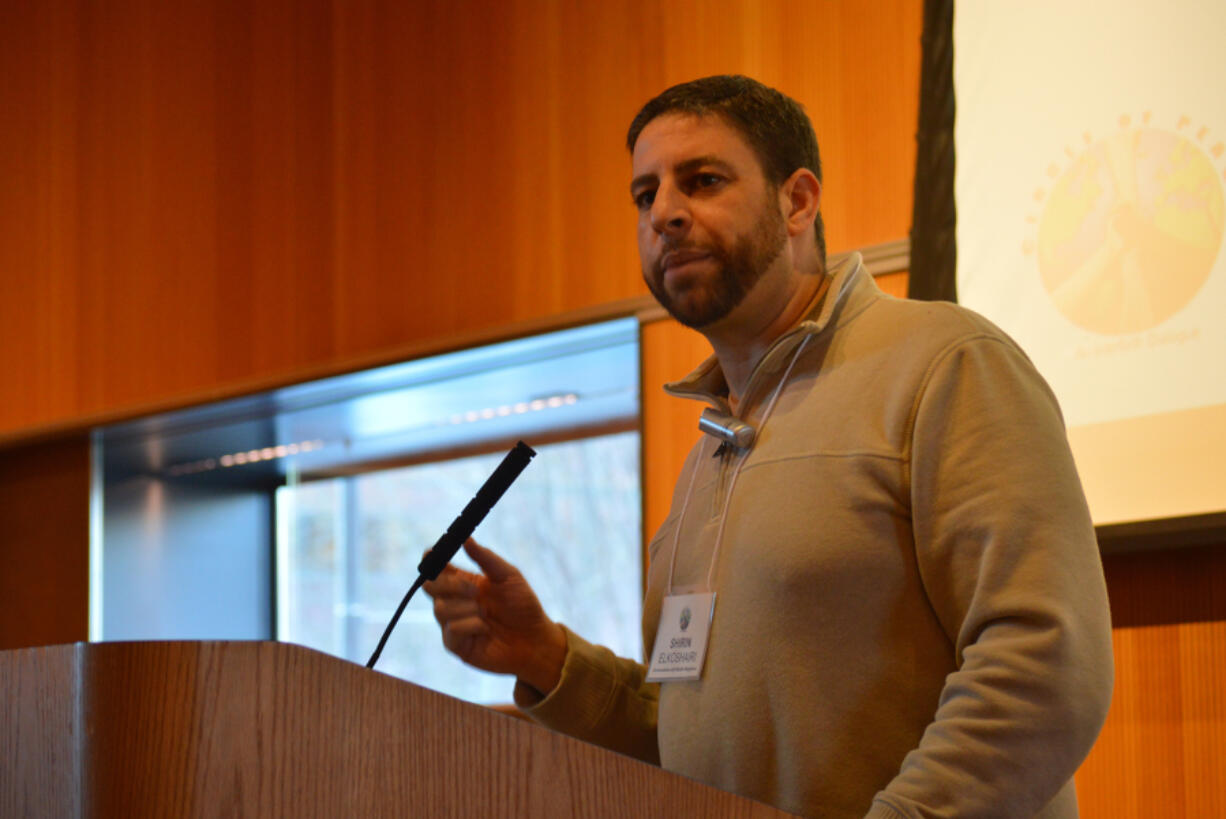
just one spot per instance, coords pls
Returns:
(800, 196)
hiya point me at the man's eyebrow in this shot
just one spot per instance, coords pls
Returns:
(681, 168)
(641, 180)
(691, 165)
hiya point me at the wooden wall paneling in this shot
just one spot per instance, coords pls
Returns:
(855, 68)
(670, 425)
(278, 98)
(868, 149)
(1161, 751)
(40, 290)
(44, 543)
(576, 64)
(206, 194)
(895, 284)
(1203, 694)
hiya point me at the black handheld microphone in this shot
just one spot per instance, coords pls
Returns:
(461, 529)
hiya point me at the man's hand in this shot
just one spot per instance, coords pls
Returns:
(494, 622)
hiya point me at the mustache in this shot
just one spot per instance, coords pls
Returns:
(671, 253)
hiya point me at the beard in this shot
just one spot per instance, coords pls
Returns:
(738, 269)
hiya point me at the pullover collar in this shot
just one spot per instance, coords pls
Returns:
(850, 290)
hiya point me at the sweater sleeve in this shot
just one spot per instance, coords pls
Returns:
(601, 698)
(1009, 560)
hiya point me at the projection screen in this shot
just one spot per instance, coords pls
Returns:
(1091, 170)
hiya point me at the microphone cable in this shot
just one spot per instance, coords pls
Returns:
(460, 530)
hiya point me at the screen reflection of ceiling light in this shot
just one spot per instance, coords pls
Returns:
(251, 456)
(269, 453)
(519, 408)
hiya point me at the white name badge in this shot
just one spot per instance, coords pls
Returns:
(681, 638)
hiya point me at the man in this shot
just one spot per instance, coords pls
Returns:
(909, 614)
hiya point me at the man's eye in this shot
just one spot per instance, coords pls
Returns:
(707, 180)
(643, 200)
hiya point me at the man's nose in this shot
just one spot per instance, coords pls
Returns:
(670, 211)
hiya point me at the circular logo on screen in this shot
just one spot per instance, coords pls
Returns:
(1130, 228)
(685, 618)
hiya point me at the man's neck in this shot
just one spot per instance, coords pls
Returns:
(740, 352)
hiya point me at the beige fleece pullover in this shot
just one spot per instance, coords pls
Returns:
(911, 618)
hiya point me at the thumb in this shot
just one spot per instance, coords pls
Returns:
(492, 566)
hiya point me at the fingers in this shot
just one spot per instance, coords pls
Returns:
(468, 627)
(462, 638)
(492, 566)
(452, 582)
(450, 609)
(459, 614)
(461, 621)
(457, 582)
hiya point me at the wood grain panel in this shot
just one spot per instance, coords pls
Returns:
(44, 543)
(1161, 751)
(204, 195)
(894, 284)
(263, 729)
(670, 425)
(39, 734)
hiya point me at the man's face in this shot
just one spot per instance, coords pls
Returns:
(709, 223)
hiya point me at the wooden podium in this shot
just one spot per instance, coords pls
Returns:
(182, 729)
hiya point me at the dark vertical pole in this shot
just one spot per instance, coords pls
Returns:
(934, 249)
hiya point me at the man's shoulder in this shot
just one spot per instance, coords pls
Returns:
(933, 325)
